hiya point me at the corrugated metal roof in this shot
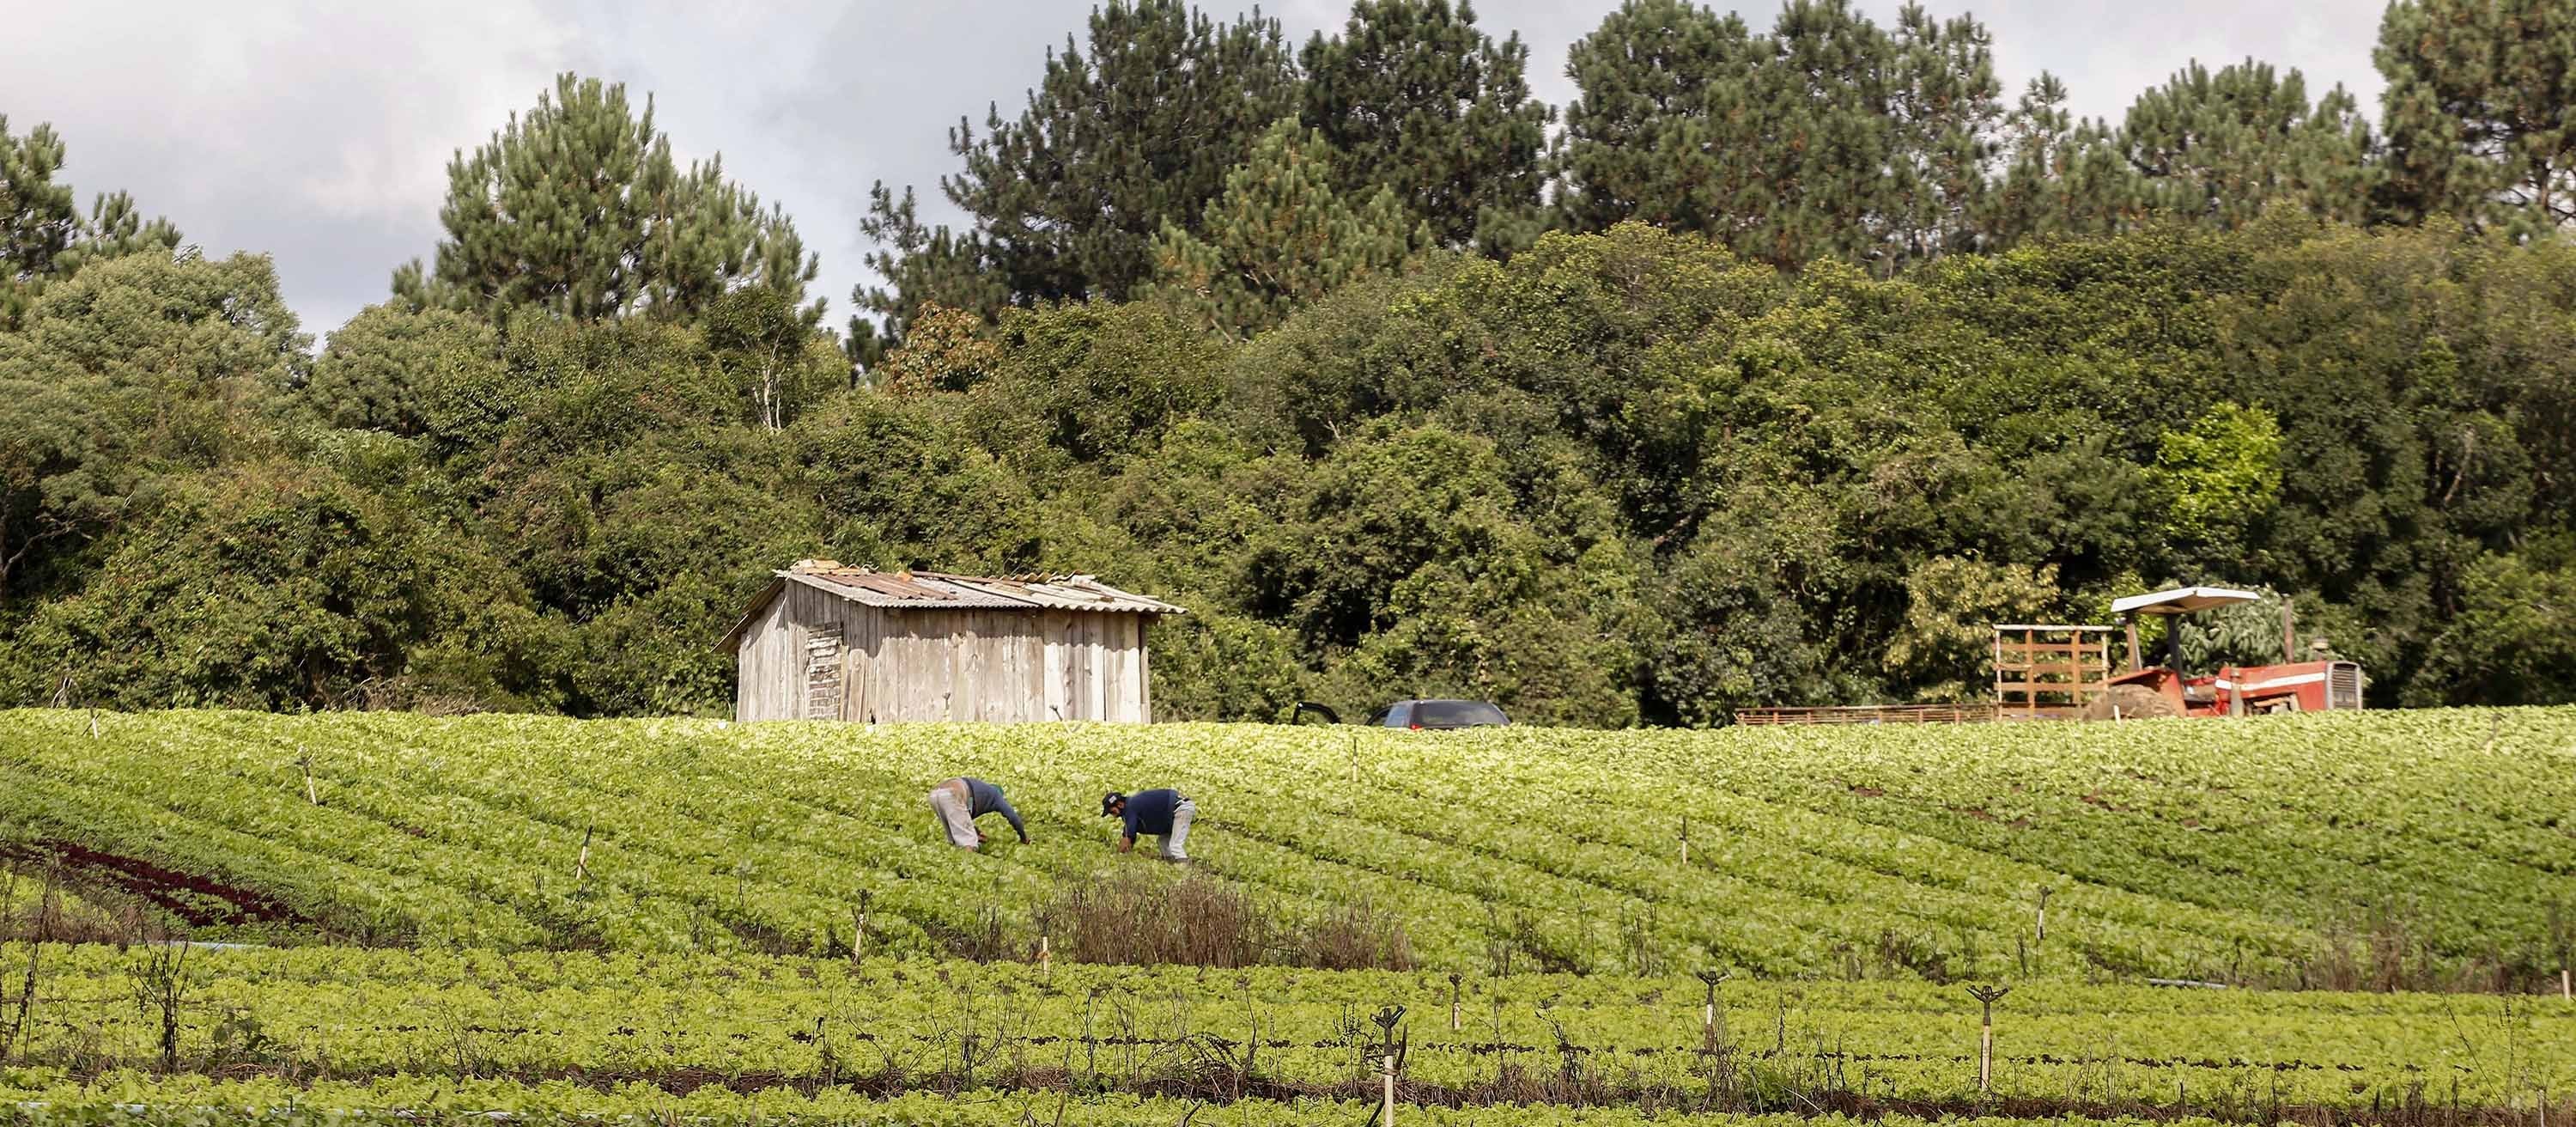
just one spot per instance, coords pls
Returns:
(932, 590)
(1061, 592)
(897, 589)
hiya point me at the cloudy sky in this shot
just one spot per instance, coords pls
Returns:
(319, 133)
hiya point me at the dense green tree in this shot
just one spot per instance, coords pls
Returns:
(865, 346)
(579, 210)
(2475, 111)
(1131, 131)
(945, 350)
(1945, 644)
(2508, 642)
(774, 356)
(1417, 98)
(1637, 374)
(376, 370)
(903, 484)
(1405, 558)
(1943, 108)
(1096, 382)
(1279, 237)
(1731, 628)
(2420, 385)
(275, 585)
(2219, 473)
(624, 473)
(137, 367)
(924, 266)
(38, 218)
(2219, 147)
(1213, 665)
(43, 236)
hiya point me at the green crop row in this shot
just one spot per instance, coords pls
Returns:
(138, 1101)
(344, 1012)
(2439, 842)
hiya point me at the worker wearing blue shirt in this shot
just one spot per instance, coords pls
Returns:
(958, 802)
(1164, 813)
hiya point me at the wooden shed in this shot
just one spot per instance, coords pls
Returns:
(827, 642)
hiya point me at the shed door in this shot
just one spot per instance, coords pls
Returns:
(823, 673)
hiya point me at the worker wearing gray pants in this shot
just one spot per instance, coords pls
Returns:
(1164, 813)
(958, 802)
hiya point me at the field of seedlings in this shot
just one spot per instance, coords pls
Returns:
(751, 1022)
(2346, 918)
(2354, 850)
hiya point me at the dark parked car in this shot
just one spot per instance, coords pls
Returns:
(1437, 715)
(1418, 715)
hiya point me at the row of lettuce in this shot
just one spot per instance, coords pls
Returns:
(890, 1025)
(2236, 851)
(141, 1101)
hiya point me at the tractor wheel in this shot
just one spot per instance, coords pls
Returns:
(2134, 702)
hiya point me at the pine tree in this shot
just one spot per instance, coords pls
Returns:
(1656, 109)
(1415, 97)
(1823, 87)
(38, 218)
(43, 237)
(2476, 111)
(1830, 136)
(2062, 175)
(1117, 140)
(1280, 237)
(924, 266)
(2219, 147)
(1946, 109)
(579, 210)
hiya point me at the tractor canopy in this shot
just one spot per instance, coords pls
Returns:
(2181, 600)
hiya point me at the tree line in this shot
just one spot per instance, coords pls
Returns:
(1767, 371)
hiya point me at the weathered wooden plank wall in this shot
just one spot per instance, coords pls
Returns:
(997, 666)
(766, 668)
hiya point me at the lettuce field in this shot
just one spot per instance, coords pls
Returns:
(2240, 852)
(749, 1021)
(693, 920)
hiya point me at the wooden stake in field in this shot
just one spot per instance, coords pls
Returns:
(304, 759)
(1685, 841)
(2039, 927)
(581, 864)
(1453, 1001)
(1386, 1019)
(1987, 996)
(1708, 1007)
(859, 928)
(1046, 958)
(1386, 1065)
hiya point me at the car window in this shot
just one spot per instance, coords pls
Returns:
(1456, 714)
(1377, 717)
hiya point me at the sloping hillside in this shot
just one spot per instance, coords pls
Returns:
(2240, 850)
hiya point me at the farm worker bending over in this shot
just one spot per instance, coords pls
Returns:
(1165, 813)
(958, 802)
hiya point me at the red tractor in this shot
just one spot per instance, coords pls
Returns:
(2234, 690)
